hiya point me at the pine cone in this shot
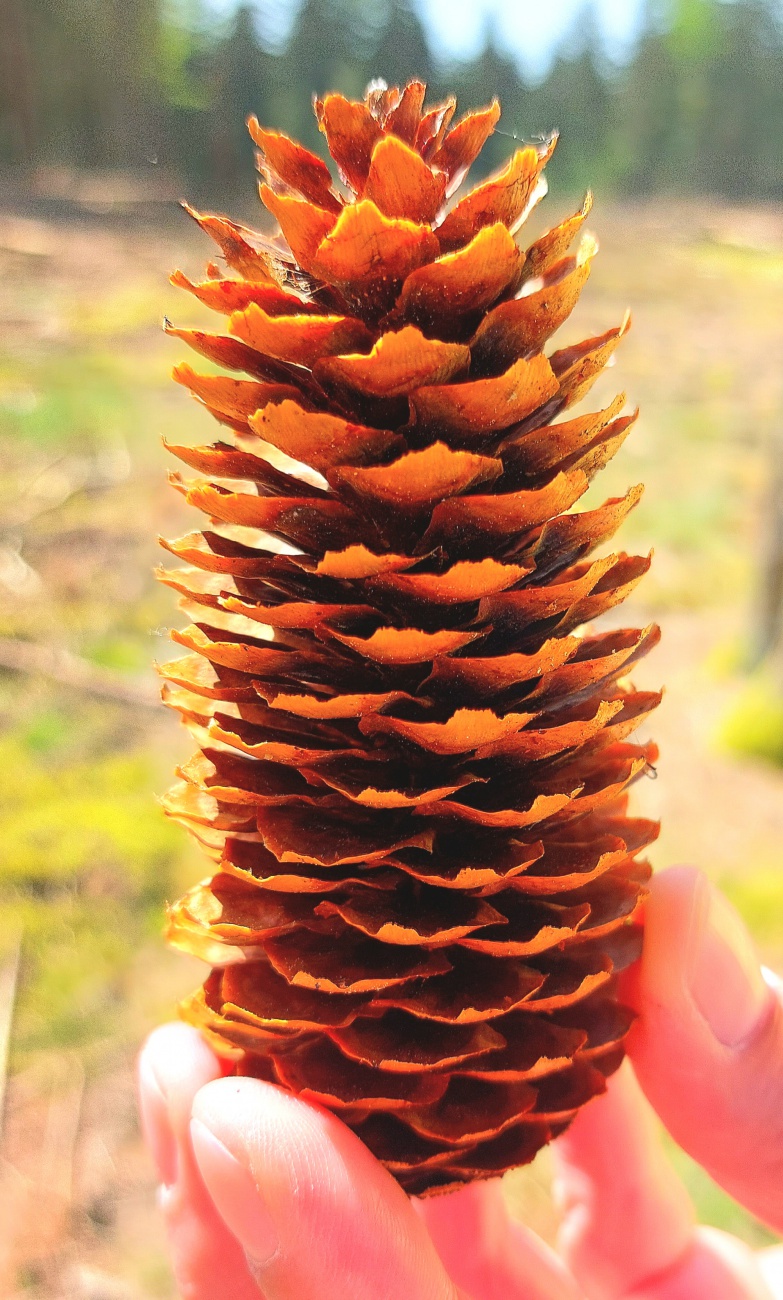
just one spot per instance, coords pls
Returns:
(413, 768)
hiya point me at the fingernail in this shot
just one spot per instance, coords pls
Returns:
(726, 980)
(156, 1126)
(236, 1195)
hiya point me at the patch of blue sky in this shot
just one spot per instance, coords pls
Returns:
(528, 30)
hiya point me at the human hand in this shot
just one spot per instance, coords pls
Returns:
(268, 1198)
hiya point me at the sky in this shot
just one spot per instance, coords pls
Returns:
(530, 30)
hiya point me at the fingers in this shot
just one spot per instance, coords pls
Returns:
(770, 1262)
(716, 1267)
(628, 1231)
(626, 1215)
(487, 1253)
(318, 1216)
(208, 1262)
(708, 1044)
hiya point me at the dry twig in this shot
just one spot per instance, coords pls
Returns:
(70, 670)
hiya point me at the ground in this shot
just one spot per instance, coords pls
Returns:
(89, 860)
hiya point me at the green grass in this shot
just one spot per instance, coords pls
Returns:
(89, 862)
(88, 858)
(758, 897)
(753, 725)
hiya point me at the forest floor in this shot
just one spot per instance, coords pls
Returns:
(87, 859)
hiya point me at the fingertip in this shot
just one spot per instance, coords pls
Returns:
(156, 1126)
(284, 1143)
(657, 985)
(672, 889)
(699, 973)
(675, 895)
(239, 1200)
(282, 1171)
(176, 1053)
(173, 1064)
(680, 878)
(289, 1144)
(251, 1113)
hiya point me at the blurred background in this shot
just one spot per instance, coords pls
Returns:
(112, 110)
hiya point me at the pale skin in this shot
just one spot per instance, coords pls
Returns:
(268, 1198)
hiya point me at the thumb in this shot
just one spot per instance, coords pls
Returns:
(319, 1218)
(707, 1047)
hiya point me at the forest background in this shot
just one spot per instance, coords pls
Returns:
(696, 108)
(110, 112)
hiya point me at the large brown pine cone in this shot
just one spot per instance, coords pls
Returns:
(413, 768)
